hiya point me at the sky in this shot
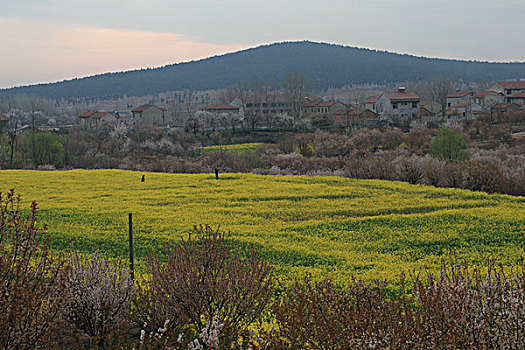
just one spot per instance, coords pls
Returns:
(52, 40)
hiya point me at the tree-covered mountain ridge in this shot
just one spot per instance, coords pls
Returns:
(324, 65)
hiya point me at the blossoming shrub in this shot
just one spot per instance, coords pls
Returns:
(457, 310)
(99, 294)
(31, 279)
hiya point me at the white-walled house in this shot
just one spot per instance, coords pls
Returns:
(399, 104)
(508, 88)
(487, 98)
(94, 120)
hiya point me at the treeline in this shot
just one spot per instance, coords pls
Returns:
(476, 155)
(200, 294)
(324, 65)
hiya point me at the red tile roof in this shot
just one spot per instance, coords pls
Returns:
(371, 100)
(402, 96)
(356, 112)
(99, 115)
(146, 106)
(460, 105)
(86, 114)
(512, 84)
(482, 93)
(3, 117)
(221, 106)
(327, 103)
(459, 94)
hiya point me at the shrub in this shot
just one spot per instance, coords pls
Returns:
(321, 315)
(202, 279)
(409, 169)
(99, 294)
(482, 175)
(448, 144)
(31, 279)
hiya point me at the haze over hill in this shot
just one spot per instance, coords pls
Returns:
(324, 65)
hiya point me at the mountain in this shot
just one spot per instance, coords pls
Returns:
(324, 65)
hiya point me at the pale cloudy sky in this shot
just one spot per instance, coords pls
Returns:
(50, 40)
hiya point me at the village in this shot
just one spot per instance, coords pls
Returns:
(281, 110)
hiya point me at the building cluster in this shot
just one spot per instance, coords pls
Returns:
(388, 108)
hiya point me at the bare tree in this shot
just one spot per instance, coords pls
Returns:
(201, 279)
(31, 279)
(439, 88)
(295, 84)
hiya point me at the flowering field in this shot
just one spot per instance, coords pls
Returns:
(329, 226)
(237, 148)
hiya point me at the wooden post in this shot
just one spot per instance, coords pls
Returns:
(217, 173)
(131, 265)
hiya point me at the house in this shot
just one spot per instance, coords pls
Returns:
(429, 108)
(329, 107)
(271, 103)
(506, 107)
(309, 105)
(370, 104)
(458, 97)
(517, 98)
(487, 98)
(464, 110)
(399, 104)
(356, 117)
(94, 120)
(149, 115)
(221, 108)
(508, 88)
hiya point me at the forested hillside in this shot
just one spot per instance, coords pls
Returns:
(324, 65)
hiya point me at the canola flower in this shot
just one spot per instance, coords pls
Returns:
(236, 148)
(327, 226)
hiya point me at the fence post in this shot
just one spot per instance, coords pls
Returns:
(131, 265)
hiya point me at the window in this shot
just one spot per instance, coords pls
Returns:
(394, 105)
(448, 104)
(249, 105)
(508, 92)
(414, 104)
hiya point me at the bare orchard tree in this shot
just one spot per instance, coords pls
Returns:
(439, 88)
(14, 130)
(295, 84)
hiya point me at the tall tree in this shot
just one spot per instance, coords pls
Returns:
(295, 84)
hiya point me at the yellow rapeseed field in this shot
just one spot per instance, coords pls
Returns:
(328, 226)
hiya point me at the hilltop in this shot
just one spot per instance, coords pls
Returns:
(324, 65)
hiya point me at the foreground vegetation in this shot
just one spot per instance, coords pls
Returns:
(199, 294)
(327, 226)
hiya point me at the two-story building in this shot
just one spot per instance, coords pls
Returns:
(508, 88)
(221, 108)
(399, 104)
(370, 103)
(94, 120)
(149, 115)
(517, 98)
(458, 97)
(487, 98)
